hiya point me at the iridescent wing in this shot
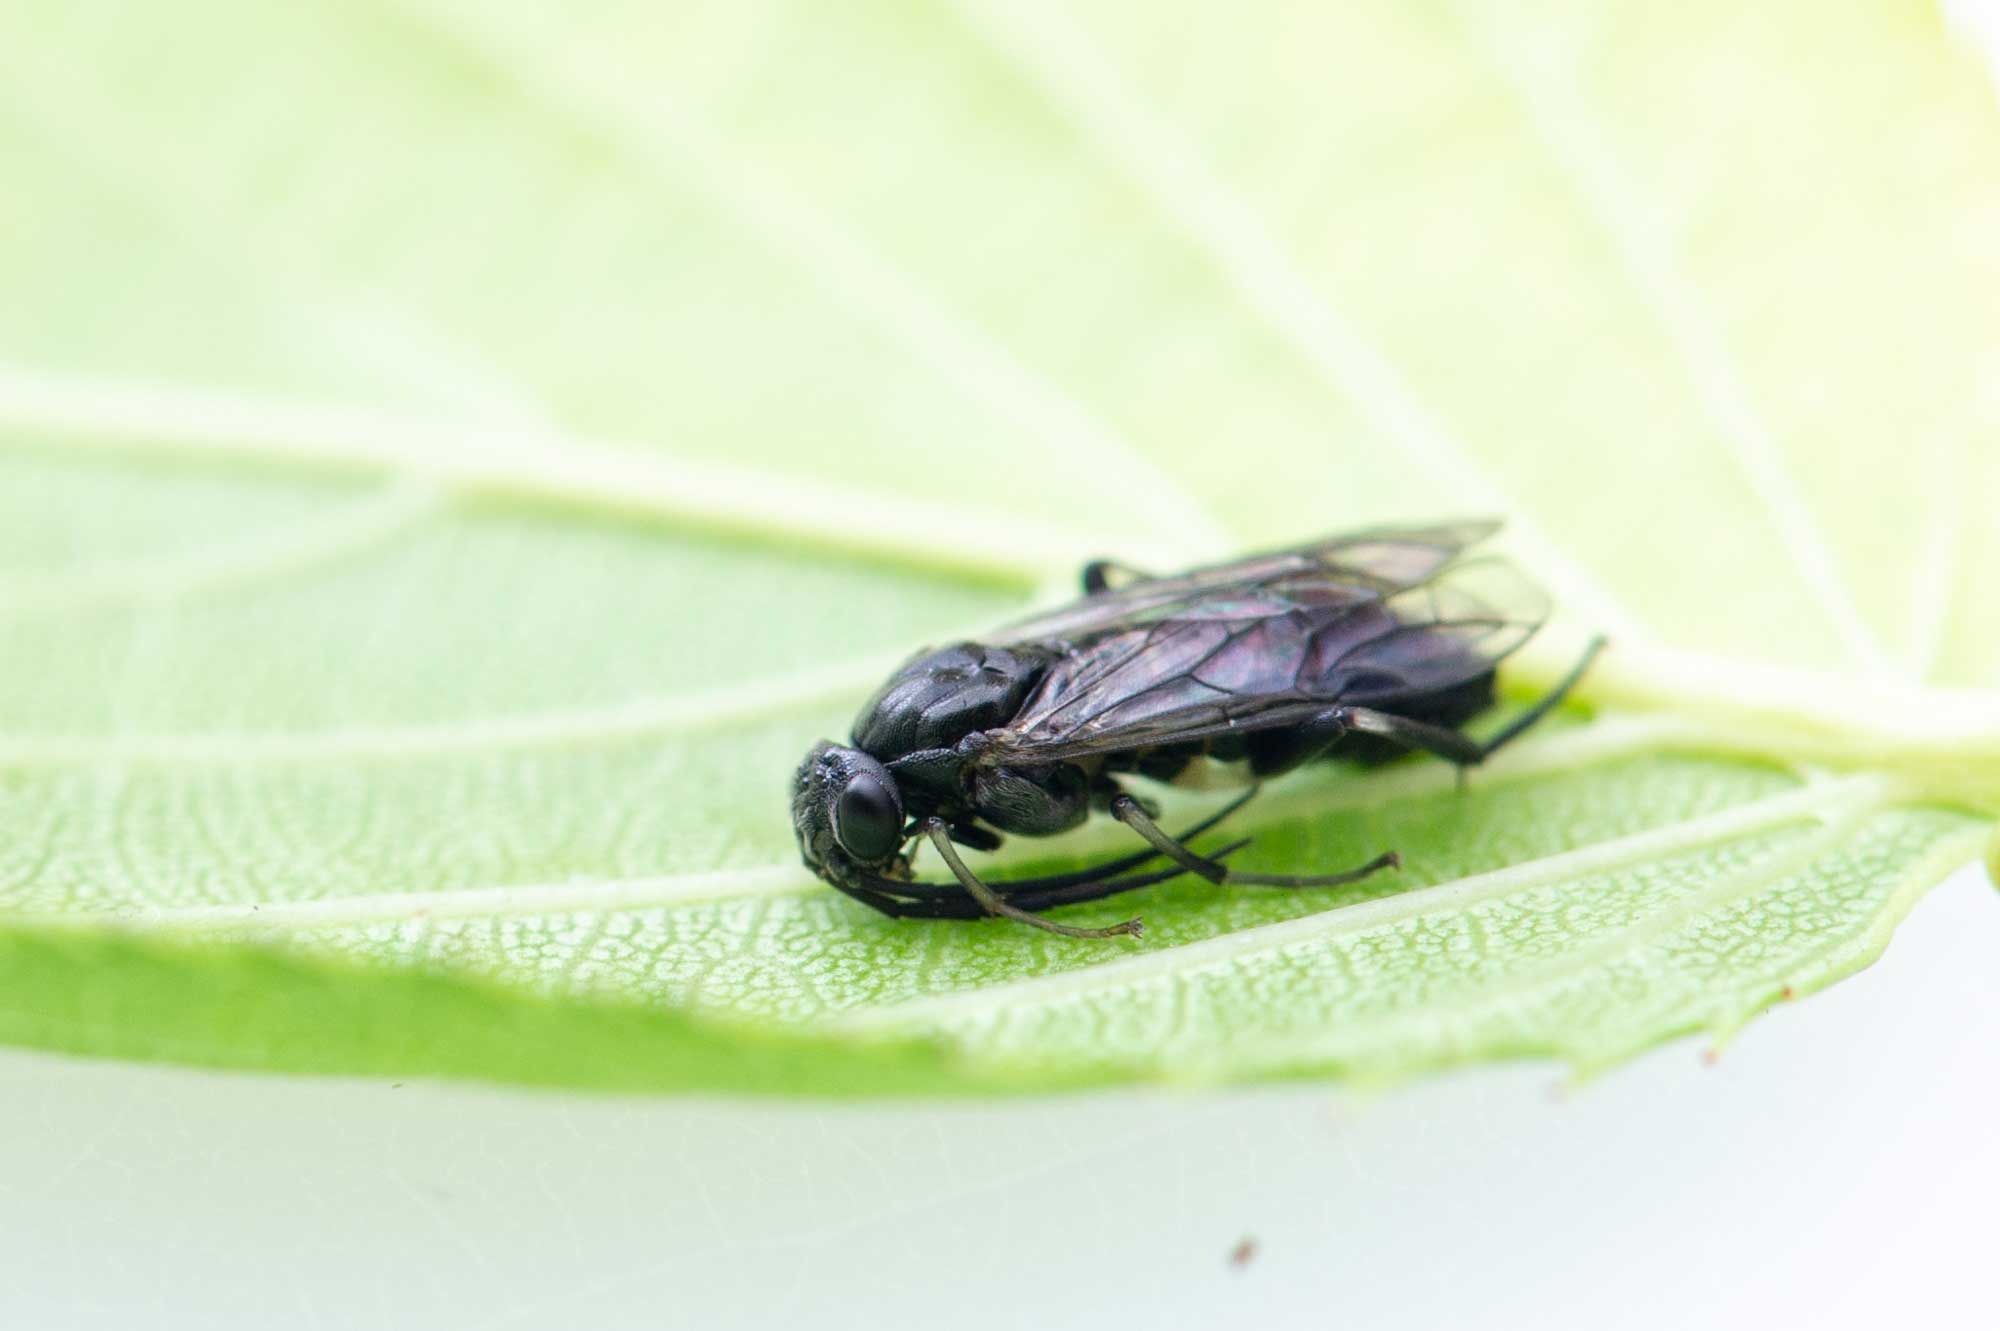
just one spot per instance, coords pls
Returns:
(1273, 641)
(1385, 560)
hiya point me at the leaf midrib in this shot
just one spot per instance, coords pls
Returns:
(551, 467)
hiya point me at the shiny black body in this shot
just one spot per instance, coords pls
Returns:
(930, 726)
(1360, 647)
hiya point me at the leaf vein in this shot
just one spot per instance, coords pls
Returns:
(540, 464)
(327, 539)
(1819, 801)
(1078, 80)
(868, 285)
(1564, 126)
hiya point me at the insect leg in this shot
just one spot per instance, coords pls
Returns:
(1547, 703)
(1441, 740)
(1097, 575)
(905, 899)
(959, 906)
(1127, 811)
(1111, 868)
(940, 837)
(881, 901)
(1451, 744)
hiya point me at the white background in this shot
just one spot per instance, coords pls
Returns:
(1837, 1166)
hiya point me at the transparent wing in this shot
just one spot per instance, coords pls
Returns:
(1273, 655)
(1359, 565)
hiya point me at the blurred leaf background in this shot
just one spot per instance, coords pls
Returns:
(454, 458)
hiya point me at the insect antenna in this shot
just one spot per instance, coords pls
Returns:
(970, 898)
(950, 901)
(1102, 876)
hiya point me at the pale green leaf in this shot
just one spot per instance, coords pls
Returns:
(455, 457)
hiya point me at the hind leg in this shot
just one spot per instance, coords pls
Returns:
(1453, 745)
(1127, 811)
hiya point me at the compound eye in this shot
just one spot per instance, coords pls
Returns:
(868, 819)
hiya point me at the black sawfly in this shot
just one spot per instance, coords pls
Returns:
(1362, 646)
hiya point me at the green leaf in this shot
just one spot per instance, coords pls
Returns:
(455, 457)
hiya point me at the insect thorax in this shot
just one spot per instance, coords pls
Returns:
(941, 696)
